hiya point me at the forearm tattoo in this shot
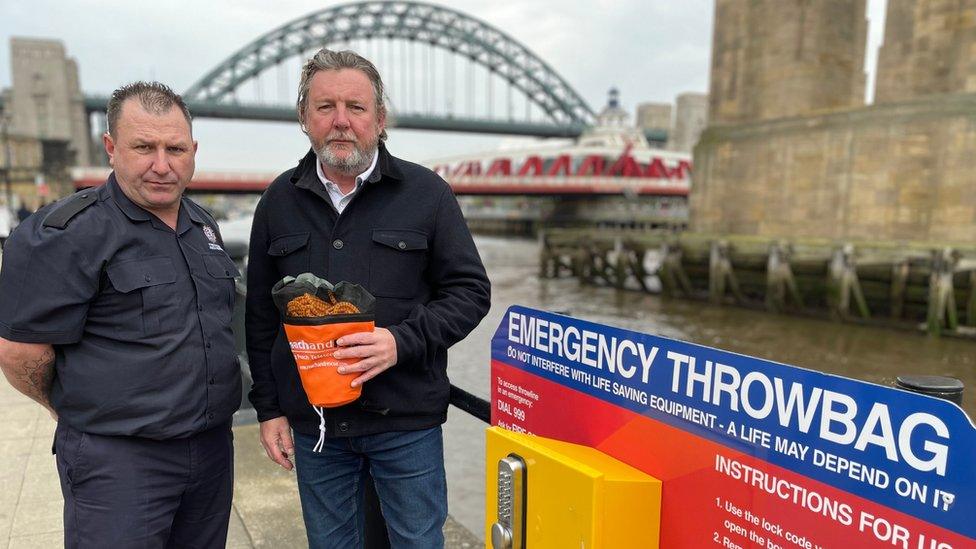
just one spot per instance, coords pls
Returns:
(36, 377)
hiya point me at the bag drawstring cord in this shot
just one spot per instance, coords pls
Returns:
(321, 443)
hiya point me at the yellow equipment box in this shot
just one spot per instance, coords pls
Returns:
(546, 494)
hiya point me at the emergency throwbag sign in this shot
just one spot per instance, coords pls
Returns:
(752, 453)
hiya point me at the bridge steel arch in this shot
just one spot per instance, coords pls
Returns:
(435, 25)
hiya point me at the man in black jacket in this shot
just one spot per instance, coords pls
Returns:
(352, 212)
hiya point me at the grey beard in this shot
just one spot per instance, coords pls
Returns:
(354, 164)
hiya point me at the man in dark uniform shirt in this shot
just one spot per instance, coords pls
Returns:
(115, 307)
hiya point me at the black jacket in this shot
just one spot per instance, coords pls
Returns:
(404, 239)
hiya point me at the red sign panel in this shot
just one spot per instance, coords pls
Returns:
(751, 453)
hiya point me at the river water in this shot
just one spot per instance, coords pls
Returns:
(867, 353)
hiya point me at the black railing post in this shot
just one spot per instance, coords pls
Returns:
(948, 388)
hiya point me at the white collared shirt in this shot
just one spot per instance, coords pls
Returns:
(339, 200)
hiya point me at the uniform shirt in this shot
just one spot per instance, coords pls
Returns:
(138, 314)
(339, 200)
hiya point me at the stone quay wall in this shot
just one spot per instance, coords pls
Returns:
(898, 171)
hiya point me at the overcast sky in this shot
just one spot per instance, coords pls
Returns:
(651, 50)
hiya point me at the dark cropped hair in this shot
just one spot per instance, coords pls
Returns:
(155, 98)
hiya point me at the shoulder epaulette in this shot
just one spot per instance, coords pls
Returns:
(206, 211)
(63, 213)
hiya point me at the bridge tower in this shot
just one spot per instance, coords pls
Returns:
(46, 99)
(927, 49)
(899, 170)
(690, 119)
(654, 116)
(781, 58)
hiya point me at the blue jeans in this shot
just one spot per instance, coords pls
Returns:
(408, 471)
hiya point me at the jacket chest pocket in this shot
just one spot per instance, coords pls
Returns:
(147, 288)
(290, 253)
(221, 291)
(397, 262)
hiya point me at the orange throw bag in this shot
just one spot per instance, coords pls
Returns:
(313, 347)
(315, 314)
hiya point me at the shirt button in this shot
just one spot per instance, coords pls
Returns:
(199, 307)
(212, 381)
(402, 245)
(344, 426)
(208, 344)
(210, 416)
(148, 278)
(337, 244)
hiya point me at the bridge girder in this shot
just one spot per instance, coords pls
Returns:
(278, 113)
(438, 26)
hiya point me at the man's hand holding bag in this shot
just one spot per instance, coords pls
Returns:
(315, 315)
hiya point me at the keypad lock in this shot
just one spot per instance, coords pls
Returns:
(509, 530)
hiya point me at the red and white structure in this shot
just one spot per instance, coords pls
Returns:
(610, 159)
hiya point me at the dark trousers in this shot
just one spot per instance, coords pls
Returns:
(127, 492)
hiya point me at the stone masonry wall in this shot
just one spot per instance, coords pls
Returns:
(929, 48)
(899, 171)
(45, 95)
(782, 58)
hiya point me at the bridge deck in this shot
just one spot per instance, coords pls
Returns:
(256, 183)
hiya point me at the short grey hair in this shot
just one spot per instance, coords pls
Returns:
(329, 60)
(156, 98)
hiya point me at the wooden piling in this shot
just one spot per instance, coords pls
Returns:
(909, 282)
(721, 274)
(780, 284)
